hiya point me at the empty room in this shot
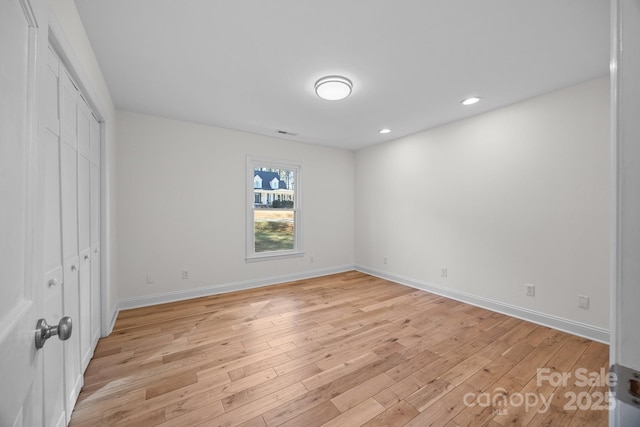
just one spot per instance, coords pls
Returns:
(356, 213)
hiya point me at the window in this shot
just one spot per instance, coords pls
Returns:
(273, 210)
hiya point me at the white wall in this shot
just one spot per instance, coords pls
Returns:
(517, 195)
(181, 205)
(84, 62)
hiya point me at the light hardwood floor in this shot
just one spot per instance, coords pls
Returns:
(341, 350)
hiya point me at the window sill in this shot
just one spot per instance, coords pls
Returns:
(259, 258)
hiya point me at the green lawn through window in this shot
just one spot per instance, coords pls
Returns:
(274, 230)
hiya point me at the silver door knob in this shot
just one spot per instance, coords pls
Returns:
(44, 331)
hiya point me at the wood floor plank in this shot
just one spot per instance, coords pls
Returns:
(249, 394)
(171, 383)
(358, 415)
(399, 391)
(425, 396)
(314, 417)
(257, 407)
(347, 349)
(340, 370)
(362, 392)
(255, 422)
(443, 409)
(397, 415)
(328, 391)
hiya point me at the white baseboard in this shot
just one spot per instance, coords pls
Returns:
(166, 297)
(576, 328)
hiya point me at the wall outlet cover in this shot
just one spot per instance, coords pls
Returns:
(530, 290)
(583, 302)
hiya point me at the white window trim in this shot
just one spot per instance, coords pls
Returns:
(297, 251)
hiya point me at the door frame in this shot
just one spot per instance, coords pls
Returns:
(624, 349)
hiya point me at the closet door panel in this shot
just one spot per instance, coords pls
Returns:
(84, 128)
(95, 141)
(84, 232)
(52, 219)
(84, 287)
(95, 231)
(68, 111)
(84, 204)
(68, 171)
(52, 116)
(53, 359)
(95, 255)
(69, 193)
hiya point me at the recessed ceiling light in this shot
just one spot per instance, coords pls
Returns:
(471, 101)
(333, 88)
(384, 130)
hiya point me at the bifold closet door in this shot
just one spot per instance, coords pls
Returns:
(72, 159)
(84, 230)
(54, 403)
(70, 254)
(94, 166)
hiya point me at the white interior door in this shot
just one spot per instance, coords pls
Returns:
(20, 303)
(46, 219)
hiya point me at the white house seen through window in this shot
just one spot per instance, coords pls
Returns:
(273, 214)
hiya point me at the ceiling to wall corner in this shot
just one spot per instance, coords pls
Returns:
(251, 65)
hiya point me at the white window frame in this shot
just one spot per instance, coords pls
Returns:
(297, 251)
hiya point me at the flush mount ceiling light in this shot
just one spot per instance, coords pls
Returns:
(471, 101)
(333, 88)
(384, 131)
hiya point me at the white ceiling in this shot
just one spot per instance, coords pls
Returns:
(251, 64)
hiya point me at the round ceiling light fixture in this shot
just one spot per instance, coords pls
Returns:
(385, 130)
(471, 101)
(333, 88)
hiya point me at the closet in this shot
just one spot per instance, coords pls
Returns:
(71, 146)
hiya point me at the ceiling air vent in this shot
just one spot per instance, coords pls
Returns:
(284, 132)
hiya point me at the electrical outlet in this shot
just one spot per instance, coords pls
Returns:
(311, 259)
(444, 271)
(583, 302)
(185, 274)
(530, 290)
(150, 278)
(384, 260)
